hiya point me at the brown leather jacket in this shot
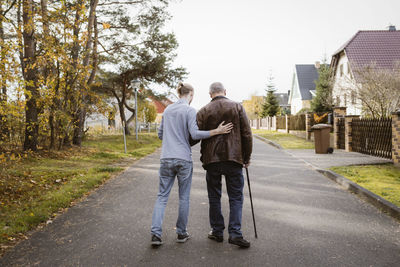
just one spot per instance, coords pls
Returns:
(235, 146)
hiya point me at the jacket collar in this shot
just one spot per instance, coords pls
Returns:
(218, 97)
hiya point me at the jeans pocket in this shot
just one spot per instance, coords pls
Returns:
(166, 167)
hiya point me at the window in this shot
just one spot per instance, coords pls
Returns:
(338, 101)
(353, 97)
(341, 70)
(348, 68)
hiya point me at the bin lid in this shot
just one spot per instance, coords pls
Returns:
(321, 126)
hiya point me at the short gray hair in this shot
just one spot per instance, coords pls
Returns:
(216, 87)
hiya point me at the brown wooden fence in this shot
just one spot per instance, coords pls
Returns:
(281, 122)
(297, 122)
(372, 136)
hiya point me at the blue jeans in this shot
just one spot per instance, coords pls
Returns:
(234, 185)
(169, 169)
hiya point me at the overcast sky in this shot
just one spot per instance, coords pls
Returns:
(238, 42)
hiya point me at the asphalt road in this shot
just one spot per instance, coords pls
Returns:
(303, 219)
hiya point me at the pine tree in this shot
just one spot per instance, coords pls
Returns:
(271, 104)
(322, 102)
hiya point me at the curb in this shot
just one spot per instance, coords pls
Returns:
(379, 202)
(278, 146)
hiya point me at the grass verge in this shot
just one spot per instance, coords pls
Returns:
(383, 180)
(287, 141)
(34, 189)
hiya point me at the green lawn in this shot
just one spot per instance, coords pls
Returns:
(383, 180)
(36, 188)
(287, 141)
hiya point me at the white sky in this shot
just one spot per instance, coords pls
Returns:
(237, 42)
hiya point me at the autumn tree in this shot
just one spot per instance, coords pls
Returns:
(30, 74)
(59, 48)
(149, 59)
(254, 106)
(5, 74)
(147, 112)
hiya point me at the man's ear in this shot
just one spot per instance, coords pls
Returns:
(210, 95)
(224, 92)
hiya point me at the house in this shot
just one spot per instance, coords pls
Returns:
(303, 86)
(380, 48)
(160, 105)
(283, 99)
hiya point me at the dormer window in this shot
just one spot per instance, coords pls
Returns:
(341, 70)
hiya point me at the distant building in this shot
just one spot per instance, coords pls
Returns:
(283, 99)
(160, 105)
(381, 48)
(303, 86)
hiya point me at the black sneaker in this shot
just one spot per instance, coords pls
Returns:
(218, 238)
(239, 241)
(156, 241)
(182, 238)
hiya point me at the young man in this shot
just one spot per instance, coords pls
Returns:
(177, 126)
(225, 155)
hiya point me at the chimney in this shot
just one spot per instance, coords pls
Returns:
(392, 28)
(317, 64)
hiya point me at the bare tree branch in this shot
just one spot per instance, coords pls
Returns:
(123, 3)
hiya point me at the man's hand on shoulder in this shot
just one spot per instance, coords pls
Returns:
(246, 165)
(222, 129)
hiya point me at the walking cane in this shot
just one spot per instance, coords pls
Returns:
(251, 202)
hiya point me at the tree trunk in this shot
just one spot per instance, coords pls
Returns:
(80, 116)
(79, 123)
(123, 118)
(30, 76)
(4, 131)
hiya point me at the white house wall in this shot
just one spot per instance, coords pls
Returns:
(296, 104)
(96, 120)
(343, 86)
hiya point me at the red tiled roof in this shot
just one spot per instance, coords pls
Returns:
(373, 47)
(161, 105)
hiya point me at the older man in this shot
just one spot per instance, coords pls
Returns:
(177, 125)
(225, 155)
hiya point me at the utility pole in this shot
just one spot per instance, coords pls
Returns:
(136, 111)
(134, 86)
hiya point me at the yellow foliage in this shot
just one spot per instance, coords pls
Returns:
(106, 25)
(253, 106)
(318, 119)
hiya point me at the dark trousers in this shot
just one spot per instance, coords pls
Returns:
(234, 185)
